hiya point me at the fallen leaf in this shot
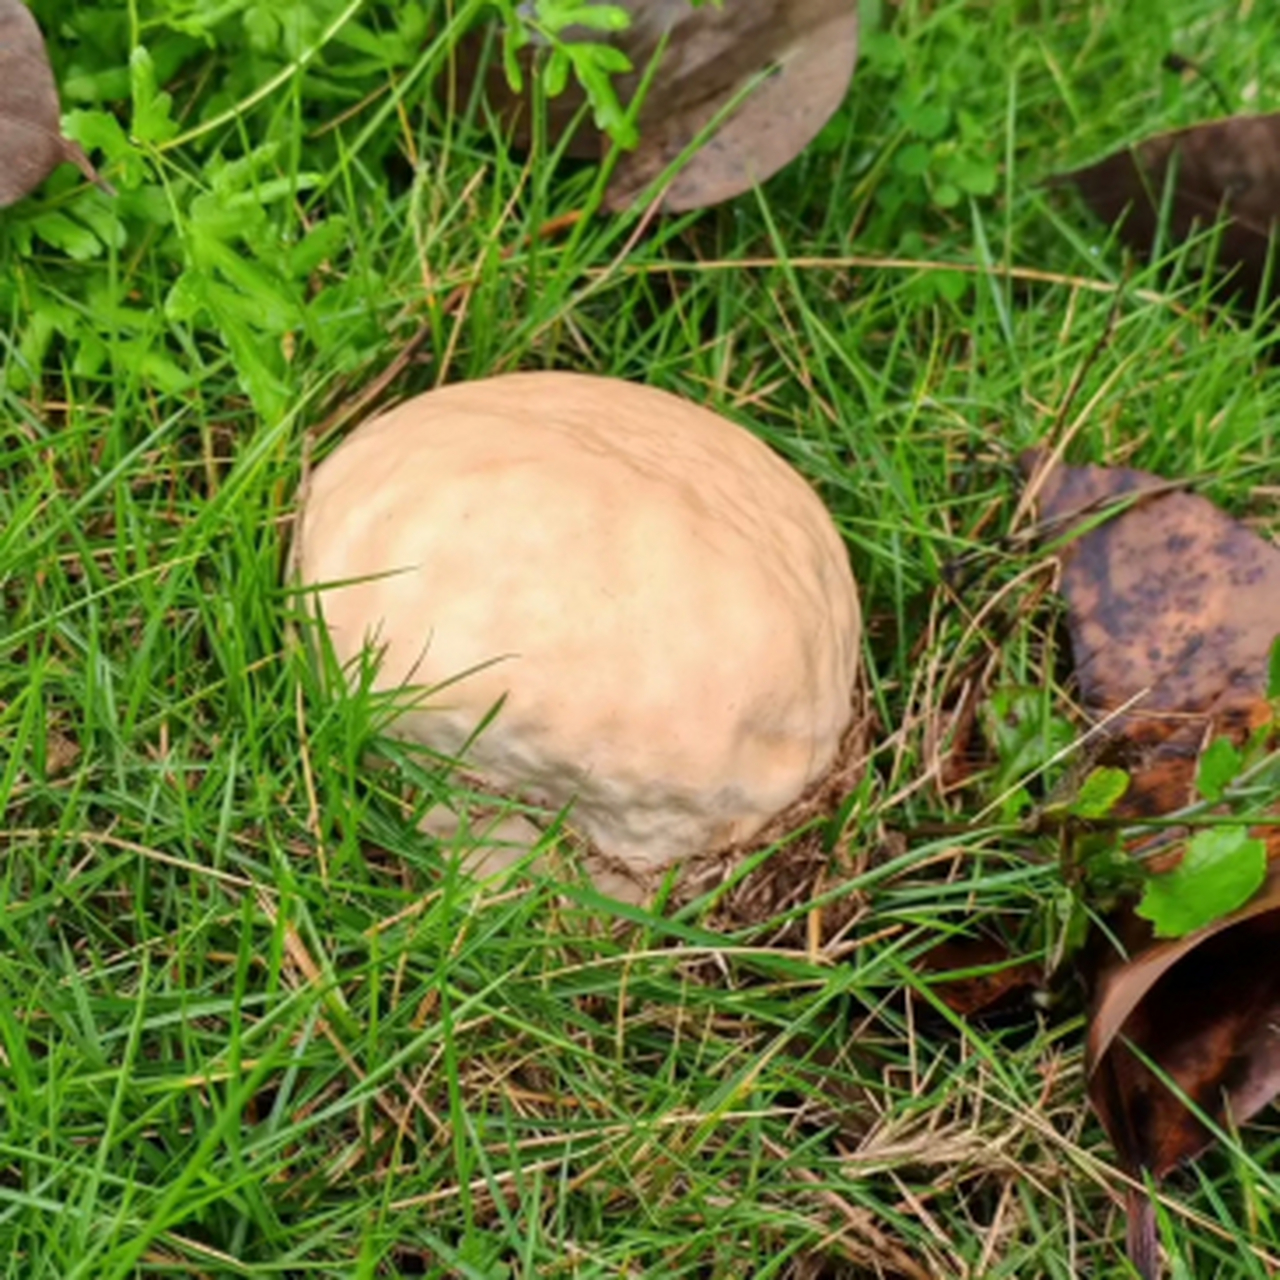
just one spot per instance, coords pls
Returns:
(978, 975)
(1224, 169)
(31, 144)
(1173, 611)
(1207, 1012)
(779, 67)
(1173, 608)
(60, 753)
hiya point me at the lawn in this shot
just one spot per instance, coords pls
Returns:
(252, 1021)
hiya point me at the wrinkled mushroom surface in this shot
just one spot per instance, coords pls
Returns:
(661, 604)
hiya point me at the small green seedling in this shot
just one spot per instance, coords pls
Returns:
(1224, 866)
(1221, 870)
(1102, 789)
(593, 63)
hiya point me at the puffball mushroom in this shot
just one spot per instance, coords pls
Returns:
(661, 606)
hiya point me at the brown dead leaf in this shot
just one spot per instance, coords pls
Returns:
(31, 144)
(978, 975)
(782, 66)
(1173, 608)
(1206, 1009)
(1228, 168)
(60, 753)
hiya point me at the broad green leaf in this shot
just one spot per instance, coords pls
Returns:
(262, 27)
(101, 131)
(1221, 870)
(514, 38)
(152, 110)
(256, 363)
(322, 241)
(555, 79)
(1100, 792)
(928, 119)
(913, 159)
(1220, 766)
(596, 17)
(73, 238)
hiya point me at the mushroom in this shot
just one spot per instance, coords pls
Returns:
(660, 609)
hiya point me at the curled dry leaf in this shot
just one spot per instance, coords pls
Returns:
(1206, 1010)
(779, 68)
(1228, 168)
(31, 145)
(1173, 608)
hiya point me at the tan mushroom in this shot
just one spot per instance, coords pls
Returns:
(661, 606)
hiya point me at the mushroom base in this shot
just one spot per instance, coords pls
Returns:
(802, 863)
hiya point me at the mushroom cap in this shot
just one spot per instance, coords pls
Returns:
(661, 605)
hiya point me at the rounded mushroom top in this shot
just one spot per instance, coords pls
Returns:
(659, 603)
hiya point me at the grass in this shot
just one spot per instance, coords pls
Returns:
(251, 1022)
